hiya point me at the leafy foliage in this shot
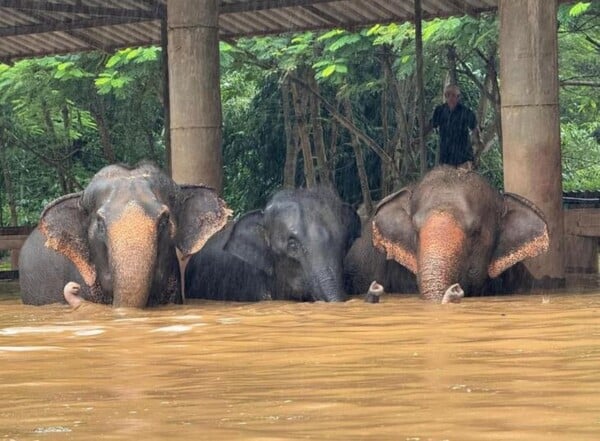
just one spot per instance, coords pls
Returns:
(61, 123)
(64, 117)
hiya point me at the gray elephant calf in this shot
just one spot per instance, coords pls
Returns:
(117, 239)
(451, 227)
(294, 249)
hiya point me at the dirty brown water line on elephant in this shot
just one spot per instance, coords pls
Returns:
(495, 368)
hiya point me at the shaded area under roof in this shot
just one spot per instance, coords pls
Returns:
(30, 28)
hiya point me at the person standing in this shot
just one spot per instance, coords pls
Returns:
(454, 121)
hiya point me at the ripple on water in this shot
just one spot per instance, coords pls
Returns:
(487, 369)
(52, 429)
(29, 348)
(174, 328)
(228, 320)
(52, 329)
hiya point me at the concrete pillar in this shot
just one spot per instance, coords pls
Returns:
(194, 92)
(530, 117)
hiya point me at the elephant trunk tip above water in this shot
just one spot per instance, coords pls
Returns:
(117, 239)
(453, 227)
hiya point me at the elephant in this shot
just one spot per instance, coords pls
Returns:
(291, 250)
(450, 227)
(118, 237)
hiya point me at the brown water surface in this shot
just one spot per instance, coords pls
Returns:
(495, 368)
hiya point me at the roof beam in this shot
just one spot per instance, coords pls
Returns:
(32, 5)
(80, 35)
(462, 7)
(322, 14)
(62, 26)
(259, 5)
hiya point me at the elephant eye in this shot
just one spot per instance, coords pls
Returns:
(163, 222)
(474, 230)
(100, 225)
(293, 246)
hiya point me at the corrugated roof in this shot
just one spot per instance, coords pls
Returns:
(36, 27)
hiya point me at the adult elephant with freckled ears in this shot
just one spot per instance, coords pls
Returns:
(118, 239)
(451, 227)
(291, 250)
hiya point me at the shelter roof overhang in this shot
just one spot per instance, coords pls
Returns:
(30, 28)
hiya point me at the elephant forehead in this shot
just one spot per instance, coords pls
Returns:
(441, 233)
(317, 232)
(114, 200)
(130, 226)
(311, 233)
(469, 208)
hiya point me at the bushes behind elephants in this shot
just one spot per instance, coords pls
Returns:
(293, 249)
(118, 237)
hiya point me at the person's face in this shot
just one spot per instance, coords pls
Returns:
(452, 97)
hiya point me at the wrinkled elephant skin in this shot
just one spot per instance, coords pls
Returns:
(454, 227)
(292, 250)
(117, 239)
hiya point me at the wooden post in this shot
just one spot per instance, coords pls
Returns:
(194, 91)
(420, 87)
(165, 93)
(530, 117)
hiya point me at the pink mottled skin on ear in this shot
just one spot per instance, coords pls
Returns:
(71, 251)
(394, 250)
(532, 248)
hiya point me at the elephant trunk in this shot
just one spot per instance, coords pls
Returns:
(441, 244)
(329, 285)
(133, 251)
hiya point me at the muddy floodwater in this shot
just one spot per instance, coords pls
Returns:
(494, 368)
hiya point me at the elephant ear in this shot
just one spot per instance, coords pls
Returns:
(523, 234)
(351, 222)
(393, 230)
(63, 224)
(201, 215)
(248, 241)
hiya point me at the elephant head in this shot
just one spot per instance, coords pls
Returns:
(299, 241)
(453, 227)
(122, 230)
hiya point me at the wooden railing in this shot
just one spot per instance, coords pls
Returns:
(582, 231)
(12, 238)
(583, 222)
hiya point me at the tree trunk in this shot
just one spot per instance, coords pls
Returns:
(300, 104)
(489, 95)
(498, 107)
(323, 171)
(451, 74)
(360, 162)
(48, 119)
(333, 144)
(291, 146)
(386, 182)
(151, 142)
(60, 171)
(107, 147)
(401, 143)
